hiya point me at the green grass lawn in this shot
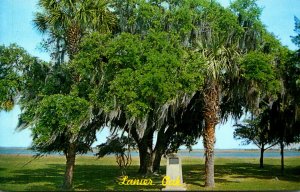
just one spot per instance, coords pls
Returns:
(91, 173)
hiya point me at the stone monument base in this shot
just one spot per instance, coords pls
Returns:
(173, 180)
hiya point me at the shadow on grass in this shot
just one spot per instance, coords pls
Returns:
(194, 174)
(249, 170)
(47, 178)
(86, 177)
(105, 177)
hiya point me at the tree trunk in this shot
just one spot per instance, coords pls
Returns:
(146, 152)
(160, 147)
(157, 158)
(145, 147)
(73, 39)
(146, 159)
(282, 157)
(211, 110)
(261, 160)
(70, 156)
(208, 141)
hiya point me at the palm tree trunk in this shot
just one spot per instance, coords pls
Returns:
(209, 140)
(211, 110)
(70, 156)
(73, 39)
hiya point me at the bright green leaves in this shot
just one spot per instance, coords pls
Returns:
(258, 67)
(182, 18)
(59, 116)
(90, 61)
(136, 73)
(149, 72)
(147, 17)
(9, 78)
(89, 67)
(125, 51)
(247, 11)
(13, 60)
(63, 111)
(192, 71)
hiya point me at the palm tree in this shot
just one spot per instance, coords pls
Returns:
(218, 62)
(222, 39)
(67, 21)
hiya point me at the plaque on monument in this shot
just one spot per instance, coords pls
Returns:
(173, 180)
(174, 160)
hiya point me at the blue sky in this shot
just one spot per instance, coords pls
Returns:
(16, 27)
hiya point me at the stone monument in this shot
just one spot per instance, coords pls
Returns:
(173, 180)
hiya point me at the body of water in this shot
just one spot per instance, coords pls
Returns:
(197, 153)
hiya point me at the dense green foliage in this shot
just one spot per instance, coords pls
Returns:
(175, 68)
(145, 74)
(13, 61)
(59, 122)
(257, 68)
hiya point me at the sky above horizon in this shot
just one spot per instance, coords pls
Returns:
(16, 26)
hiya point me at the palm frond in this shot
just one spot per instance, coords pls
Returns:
(41, 22)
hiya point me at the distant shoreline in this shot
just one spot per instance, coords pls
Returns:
(239, 153)
(216, 149)
(181, 150)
